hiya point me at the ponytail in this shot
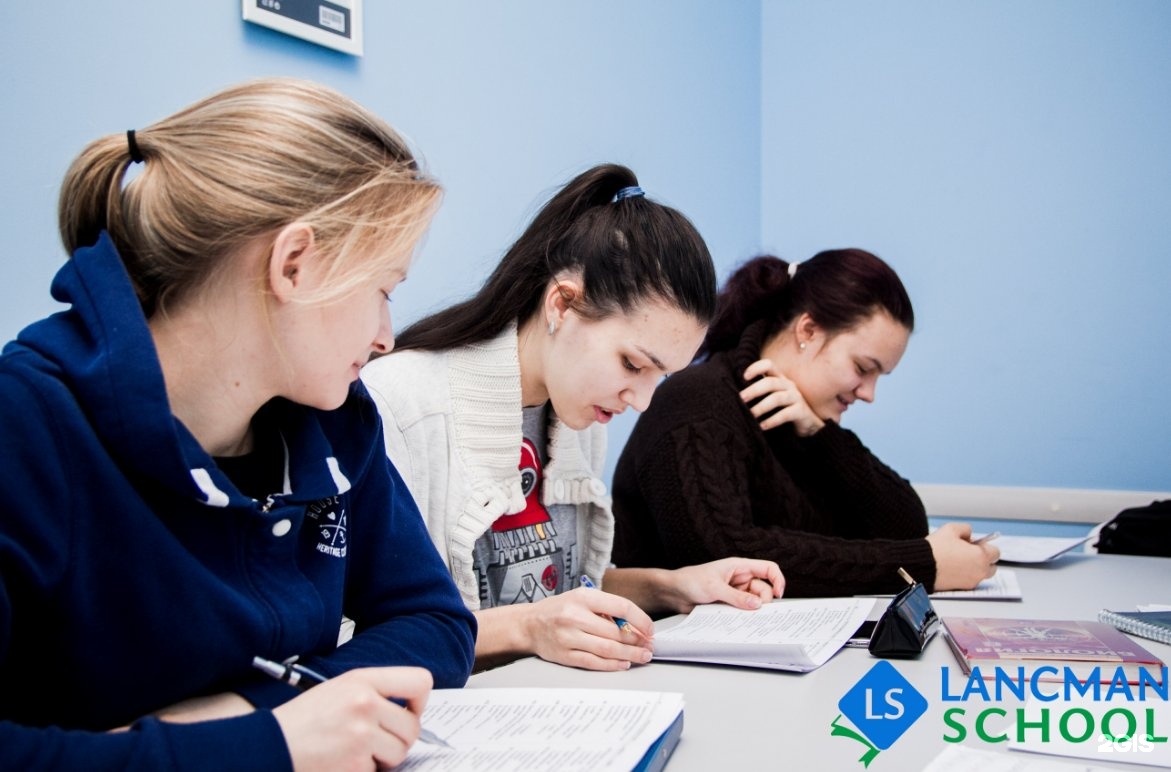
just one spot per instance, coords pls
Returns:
(626, 249)
(242, 164)
(838, 288)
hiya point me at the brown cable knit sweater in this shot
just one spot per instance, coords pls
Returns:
(699, 480)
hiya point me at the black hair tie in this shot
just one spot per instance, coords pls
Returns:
(132, 143)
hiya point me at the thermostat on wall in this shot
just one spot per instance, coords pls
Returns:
(332, 23)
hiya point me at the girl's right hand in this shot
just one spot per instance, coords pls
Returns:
(350, 723)
(577, 629)
(960, 564)
(778, 393)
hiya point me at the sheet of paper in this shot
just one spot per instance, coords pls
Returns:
(1034, 549)
(786, 634)
(1003, 585)
(1153, 712)
(568, 730)
(964, 758)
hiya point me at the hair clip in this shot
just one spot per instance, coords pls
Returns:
(633, 191)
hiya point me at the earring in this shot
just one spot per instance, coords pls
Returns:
(801, 345)
(552, 327)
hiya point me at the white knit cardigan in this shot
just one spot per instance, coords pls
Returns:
(453, 421)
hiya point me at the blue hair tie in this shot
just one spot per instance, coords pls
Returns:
(633, 191)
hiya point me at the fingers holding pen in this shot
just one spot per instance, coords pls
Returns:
(354, 717)
(578, 628)
(960, 563)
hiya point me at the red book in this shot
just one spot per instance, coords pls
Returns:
(1009, 644)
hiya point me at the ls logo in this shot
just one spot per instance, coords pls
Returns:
(882, 706)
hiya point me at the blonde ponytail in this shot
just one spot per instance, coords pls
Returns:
(241, 164)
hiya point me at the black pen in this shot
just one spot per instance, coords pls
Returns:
(303, 678)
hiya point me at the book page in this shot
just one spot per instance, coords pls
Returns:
(964, 758)
(1152, 714)
(1003, 585)
(1035, 549)
(523, 729)
(785, 634)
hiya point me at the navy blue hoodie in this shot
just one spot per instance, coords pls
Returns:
(134, 574)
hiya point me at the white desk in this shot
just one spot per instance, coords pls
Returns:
(745, 719)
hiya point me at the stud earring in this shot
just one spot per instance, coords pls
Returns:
(801, 345)
(552, 327)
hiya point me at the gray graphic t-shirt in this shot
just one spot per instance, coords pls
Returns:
(531, 554)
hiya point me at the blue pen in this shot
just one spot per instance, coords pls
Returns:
(622, 623)
(303, 678)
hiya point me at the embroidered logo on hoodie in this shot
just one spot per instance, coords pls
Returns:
(329, 517)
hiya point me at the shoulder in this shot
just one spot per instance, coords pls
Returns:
(46, 442)
(34, 396)
(409, 385)
(702, 390)
(404, 368)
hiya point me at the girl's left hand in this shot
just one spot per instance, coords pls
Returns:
(778, 393)
(741, 582)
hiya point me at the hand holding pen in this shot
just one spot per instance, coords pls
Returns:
(623, 625)
(960, 562)
(336, 723)
(574, 628)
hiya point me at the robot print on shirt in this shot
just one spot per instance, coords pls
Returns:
(527, 562)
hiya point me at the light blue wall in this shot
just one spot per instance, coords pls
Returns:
(506, 101)
(1012, 160)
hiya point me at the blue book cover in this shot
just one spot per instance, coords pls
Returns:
(656, 756)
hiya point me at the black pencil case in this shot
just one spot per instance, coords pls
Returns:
(906, 625)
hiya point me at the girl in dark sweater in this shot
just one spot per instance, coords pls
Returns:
(743, 454)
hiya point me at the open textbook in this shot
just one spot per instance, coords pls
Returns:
(795, 635)
(558, 730)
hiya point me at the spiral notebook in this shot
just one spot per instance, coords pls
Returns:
(1153, 625)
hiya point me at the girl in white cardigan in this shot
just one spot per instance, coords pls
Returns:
(605, 293)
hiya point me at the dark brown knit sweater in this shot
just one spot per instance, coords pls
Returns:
(699, 480)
